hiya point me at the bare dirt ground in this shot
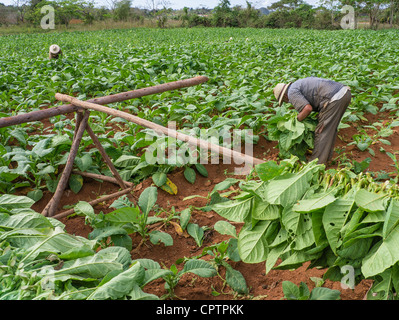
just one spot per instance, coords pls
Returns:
(191, 287)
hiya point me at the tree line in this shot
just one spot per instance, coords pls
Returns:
(280, 14)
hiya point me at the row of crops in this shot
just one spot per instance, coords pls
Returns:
(291, 210)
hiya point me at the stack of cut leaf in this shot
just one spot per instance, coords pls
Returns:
(294, 137)
(335, 219)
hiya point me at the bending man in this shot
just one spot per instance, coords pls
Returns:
(329, 98)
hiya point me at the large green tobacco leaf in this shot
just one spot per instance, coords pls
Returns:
(382, 288)
(96, 266)
(370, 201)
(9, 202)
(23, 238)
(319, 233)
(57, 241)
(290, 220)
(392, 218)
(235, 280)
(253, 243)
(199, 267)
(269, 169)
(147, 199)
(234, 210)
(314, 204)
(120, 285)
(261, 210)
(334, 218)
(157, 236)
(290, 187)
(299, 227)
(383, 255)
(123, 215)
(84, 208)
(296, 127)
(152, 270)
(304, 234)
(274, 254)
(26, 220)
(138, 294)
(321, 293)
(296, 259)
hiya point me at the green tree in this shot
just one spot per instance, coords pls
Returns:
(22, 8)
(162, 17)
(306, 15)
(65, 11)
(122, 10)
(88, 12)
(185, 17)
(286, 5)
(393, 11)
(291, 14)
(322, 19)
(222, 14)
(249, 16)
(332, 6)
(34, 15)
(373, 9)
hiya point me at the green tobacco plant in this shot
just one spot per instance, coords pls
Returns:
(302, 292)
(198, 267)
(234, 278)
(395, 164)
(114, 228)
(219, 254)
(38, 164)
(190, 174)
(363, 140)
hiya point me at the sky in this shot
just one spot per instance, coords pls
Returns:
(179, 4)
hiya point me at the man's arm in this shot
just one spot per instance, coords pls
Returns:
(305, 112)
(298, 100)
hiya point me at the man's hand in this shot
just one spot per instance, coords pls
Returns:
(305, 112)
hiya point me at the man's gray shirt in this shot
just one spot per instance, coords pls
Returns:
(314, 91)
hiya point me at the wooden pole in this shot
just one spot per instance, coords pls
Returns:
(102, 177)
(94, 202)
(51, 207)
(107, 160)
(161, 129)
(64, 109)
(81, 125)
(79, 116)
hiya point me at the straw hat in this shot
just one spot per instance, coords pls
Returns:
(279, 91)
(54, 49)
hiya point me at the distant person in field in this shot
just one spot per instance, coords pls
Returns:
(54, 52)
(329, 98)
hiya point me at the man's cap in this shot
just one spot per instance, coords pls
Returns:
(54, 49)
(279, 91)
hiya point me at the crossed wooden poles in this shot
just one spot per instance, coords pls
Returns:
(82, 109)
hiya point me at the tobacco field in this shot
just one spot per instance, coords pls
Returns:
(289, 229)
